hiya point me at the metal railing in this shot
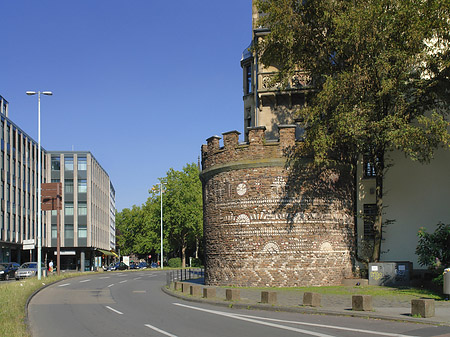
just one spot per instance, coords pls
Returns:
(184, 274)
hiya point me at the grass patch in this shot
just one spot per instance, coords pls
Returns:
(14, 296)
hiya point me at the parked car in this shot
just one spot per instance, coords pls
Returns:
(133, 265)
(8, 270)
(142, 265)
(29, 269)
(121, 266)
(154, 265)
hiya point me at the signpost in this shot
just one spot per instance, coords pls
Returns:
(51, 200)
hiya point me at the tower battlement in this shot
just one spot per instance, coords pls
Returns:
(257, 148)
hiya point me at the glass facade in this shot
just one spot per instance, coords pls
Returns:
(84, 217)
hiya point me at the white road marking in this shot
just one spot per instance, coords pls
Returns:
(110, 285)
(84, 281)
(104, 277)
(159, 330)
(64, 285)
(123, 281)
(112, 309)
(273, 325)
(137, 278)
(329, 326)
(254, 319)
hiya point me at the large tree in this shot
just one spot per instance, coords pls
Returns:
(381, 73)
(183, 210)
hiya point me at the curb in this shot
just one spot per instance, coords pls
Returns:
(300, 310)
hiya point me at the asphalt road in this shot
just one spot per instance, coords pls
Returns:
(132, 304)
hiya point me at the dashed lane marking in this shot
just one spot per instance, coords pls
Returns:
(114, 310)
(159, 330)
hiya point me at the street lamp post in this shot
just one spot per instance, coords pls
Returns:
(160, 196)
(39, 238)
(162, 255)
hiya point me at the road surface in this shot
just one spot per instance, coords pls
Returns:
(118, 304)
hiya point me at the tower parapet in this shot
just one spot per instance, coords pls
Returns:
(266, 224)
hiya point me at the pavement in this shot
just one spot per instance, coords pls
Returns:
(384, 307)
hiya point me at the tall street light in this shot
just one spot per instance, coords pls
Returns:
(39, 239)
(160, 196)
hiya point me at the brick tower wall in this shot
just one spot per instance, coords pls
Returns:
(266, 225)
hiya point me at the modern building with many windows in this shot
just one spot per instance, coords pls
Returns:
(87, 219)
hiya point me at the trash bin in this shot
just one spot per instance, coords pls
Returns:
(447, 281)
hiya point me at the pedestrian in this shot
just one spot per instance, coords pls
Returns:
(50, 266)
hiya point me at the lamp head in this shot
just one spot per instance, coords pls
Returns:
(48, 93)
(29, 93)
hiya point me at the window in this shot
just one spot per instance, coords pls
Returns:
(68, 163)
(82, 231)
(369, 167)
(82, 186)
(54, 232)
(68, 185)
(82, 164)
(82, 208)
(248, 84)
(370, 213)
(68, 231)
(56, 166)
(68, 208)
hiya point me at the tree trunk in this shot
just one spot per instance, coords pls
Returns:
(183, 256)
(378, 223)
(196, 248)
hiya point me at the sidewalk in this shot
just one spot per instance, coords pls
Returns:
(387, 308)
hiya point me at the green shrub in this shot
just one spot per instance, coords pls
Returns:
(196, 262)
(174, 262)
(433, 250)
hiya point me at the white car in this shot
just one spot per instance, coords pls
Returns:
(29, 269)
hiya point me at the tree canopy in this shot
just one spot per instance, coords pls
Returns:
(381, 73)
(138, 228)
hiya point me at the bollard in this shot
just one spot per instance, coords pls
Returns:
(312, 299)
(196, 290)
(232, 294)
(269, 297)
(209, 292)
(422, 308)
(362, 303)
(186, 288)
(178, 286)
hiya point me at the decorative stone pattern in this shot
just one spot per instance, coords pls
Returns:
(268, 225)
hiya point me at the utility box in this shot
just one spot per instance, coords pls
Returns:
(390, 273)
(447, 281)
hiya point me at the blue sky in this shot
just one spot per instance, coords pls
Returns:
(139, 83)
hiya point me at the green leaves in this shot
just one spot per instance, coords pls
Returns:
(381, 69)
(433, 248)
(138, 228)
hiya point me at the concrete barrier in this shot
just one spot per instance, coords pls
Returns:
(269, 297)
(209, 292)
(422, 307)
(312, 299)
(186, 288)
(178, 285)
(196, 290)
(232, 294)
(362, 303)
